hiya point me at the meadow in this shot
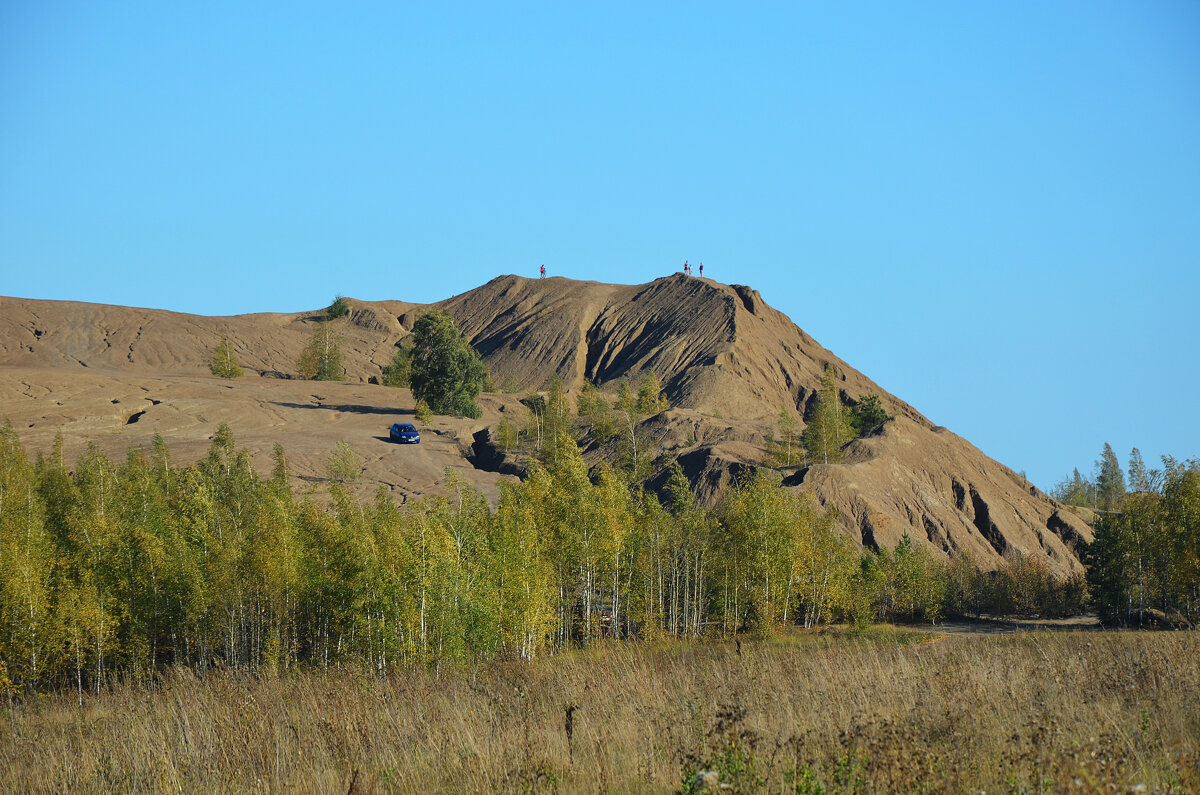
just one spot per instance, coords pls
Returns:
(830, 710)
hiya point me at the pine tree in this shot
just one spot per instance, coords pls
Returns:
(1110, 481)
(223, 364)
(1139, 476)
(867, 414)
(339, 307)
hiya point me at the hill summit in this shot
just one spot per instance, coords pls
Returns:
(729, 365)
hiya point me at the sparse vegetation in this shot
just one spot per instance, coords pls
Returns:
(321, 359)
(650, 397)
(595, 411)
(345, 465)
(339, 308)
(223, 364)
(783, 445)
(829, 426)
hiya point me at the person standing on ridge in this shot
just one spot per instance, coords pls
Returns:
(701, 270)
(687, 269)
(543, 272)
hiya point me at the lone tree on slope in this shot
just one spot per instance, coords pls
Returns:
(446, 372)
(223, 364)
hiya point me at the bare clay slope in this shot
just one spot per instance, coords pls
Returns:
(716, 348)
(728, 362)
(104, 338)
(115, 376)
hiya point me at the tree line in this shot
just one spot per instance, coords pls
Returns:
(116, 569)
(1144, 565)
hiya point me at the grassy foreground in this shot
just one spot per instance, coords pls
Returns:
(882, 712)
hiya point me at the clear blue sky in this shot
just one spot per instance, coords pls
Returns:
(991, 208)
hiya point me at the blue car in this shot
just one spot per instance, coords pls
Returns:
(404, 433)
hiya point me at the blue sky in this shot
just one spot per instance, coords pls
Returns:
(991, 208)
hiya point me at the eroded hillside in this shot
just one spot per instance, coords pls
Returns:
(728, 362)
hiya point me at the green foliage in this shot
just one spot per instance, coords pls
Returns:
(1110, 482)
(793, 562)
(345, 466)
(650, 399)
(626, 398)
(111, 571)
(447, 373)
(507, 435)
(423, 414)
(867, 414)
(631, 447)
(783, 446)
(913, 584)
(223, 364)
(1075, 491)
(594, 410)
(829, 426)
(1146, 552)
(398, 372)
(321, 359)
(555, 418)
(1139, 476)
(339, 308)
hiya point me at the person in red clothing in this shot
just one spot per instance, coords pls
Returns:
(543, 272)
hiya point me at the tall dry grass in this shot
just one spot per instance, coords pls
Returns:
(875, 713)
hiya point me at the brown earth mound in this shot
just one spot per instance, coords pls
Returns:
(729, 364)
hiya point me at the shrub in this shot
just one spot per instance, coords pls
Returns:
(223, 363)
(339, 308)
(321, 359)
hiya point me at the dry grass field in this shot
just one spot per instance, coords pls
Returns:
(829, 711)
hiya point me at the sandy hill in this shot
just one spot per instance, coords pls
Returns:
(729, 363)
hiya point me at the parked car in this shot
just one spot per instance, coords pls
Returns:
(405, 433)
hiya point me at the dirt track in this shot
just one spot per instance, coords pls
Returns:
(1009, 626)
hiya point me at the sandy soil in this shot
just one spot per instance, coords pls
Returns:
(119, 410)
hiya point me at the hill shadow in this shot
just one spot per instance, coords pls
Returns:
(350, 408)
